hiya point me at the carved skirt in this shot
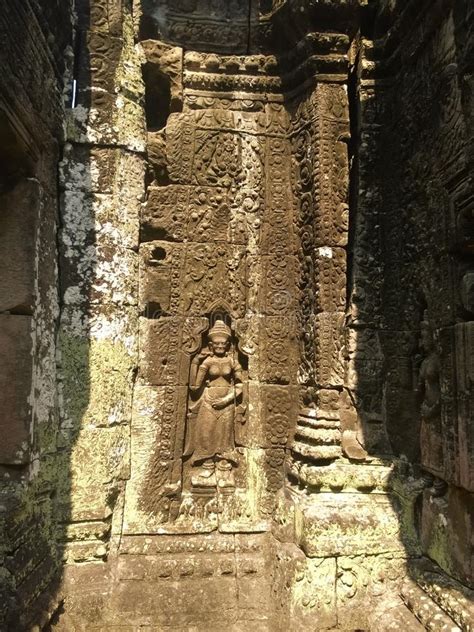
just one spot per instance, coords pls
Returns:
(210, 432)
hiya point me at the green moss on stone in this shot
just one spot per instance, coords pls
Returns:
(438, 549)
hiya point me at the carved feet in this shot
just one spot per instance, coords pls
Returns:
(205, 476)
(225, 475)
(210, 474)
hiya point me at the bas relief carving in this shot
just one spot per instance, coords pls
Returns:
(429, 393)
(428, 382)
(196, 453)
(221, 25)
(234, 213)
(215, 406)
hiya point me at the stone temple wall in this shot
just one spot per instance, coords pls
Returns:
(415, 204)
(251, 386)
(35, 56)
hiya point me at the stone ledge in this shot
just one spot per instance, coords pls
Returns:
(341, 524)
(455, 599)
(425, 609)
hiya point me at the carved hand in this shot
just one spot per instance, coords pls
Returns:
(199, 358)
(218, 404)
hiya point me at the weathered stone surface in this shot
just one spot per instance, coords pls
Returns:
(100, 235)
(425, 609)
(233, 565)
(261, 280)
(161, 357)
(108, 109)
(156, 446)
(392, 614)
(453, 598)
(103, 170)
(338, 524)
(343, 476)
(447, 532)
(34, 54)
(363, 580)
(15, 378)
(164, 62)
(99, 461)
(313, 594)
(19, 233)
(98, 353)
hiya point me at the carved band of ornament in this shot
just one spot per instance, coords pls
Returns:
(328, 123)
(252, 104)
(222, 37)
(201, 10)
(205, 25)
(246, 98)
(313, 44)
(323, 68)
(254, 128)
(233, 65)
(179, 544)
(231, 82)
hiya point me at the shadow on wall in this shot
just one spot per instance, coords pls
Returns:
(34, 467)
(60, 494)
(78, 259)
(97, 332)
(411, 257)
(101, 177)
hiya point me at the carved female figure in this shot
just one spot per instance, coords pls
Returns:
(429, 392)
(428, 383)
(216, 378)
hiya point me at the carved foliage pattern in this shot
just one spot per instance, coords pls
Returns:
(320, 183)
(248, 197)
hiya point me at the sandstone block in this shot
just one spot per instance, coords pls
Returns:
(15, 385)
(341, 524)
(18, 234)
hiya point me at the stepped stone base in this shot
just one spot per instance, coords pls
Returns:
(198, 582)
(257, 584)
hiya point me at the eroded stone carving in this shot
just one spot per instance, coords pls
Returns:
(215, 406)
(241, 315)
(429, 392)
(428, 382)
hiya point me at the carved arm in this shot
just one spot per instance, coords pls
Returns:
(197, 374)
(238, 380)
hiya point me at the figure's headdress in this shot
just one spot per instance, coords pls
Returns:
(220, 329)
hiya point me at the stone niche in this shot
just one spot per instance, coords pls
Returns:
(225, 266)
